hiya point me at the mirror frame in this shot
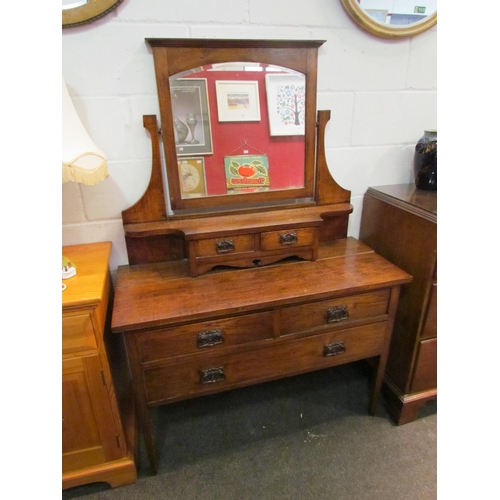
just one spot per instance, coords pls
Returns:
(173, 56)
(92, 11)
(361, 18)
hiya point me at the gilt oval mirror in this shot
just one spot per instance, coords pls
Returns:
(392, 18)
(78, 12)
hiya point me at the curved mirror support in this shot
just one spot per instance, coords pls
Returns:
(78, 12)
(392, 18)
(239, 128)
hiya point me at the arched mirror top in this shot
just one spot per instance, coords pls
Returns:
(392, 18)
(238, 120)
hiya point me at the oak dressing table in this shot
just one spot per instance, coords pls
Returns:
(252, 277)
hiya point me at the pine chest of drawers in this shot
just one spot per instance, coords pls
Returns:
(189, 337)
(98, 421)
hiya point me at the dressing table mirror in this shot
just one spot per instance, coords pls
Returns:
(392, 18)
(243, 273)
(246, 173)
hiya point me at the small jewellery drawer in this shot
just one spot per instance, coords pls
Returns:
(77, 333)
(274, 240)
(212, 373)
(338, 311)
(223, 246)
(205, 336)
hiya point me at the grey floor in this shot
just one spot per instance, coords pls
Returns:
(306, 437)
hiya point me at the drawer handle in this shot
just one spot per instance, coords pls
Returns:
(210, 338)
(212, 375)
(333, 349)
(288, 238)
(337, 313)
(224, 246)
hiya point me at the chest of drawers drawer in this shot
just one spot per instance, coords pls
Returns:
(77, 333)
(204, 336)
(215, 372)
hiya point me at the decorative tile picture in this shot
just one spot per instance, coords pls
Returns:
(246, 174)
(286, 99)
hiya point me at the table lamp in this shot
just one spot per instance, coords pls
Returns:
(82, 160)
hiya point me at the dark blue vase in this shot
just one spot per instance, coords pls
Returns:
(425, 161)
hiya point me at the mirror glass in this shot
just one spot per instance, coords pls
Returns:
(398, 12)
(239, 128)
(72, 4)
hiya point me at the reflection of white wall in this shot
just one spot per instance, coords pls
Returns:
(400, 6)
(381, 93)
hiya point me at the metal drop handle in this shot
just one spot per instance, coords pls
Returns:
(212, 375)
(288, 238)
(224, 246)
(210, 338)
(337, 313)
(334, 349)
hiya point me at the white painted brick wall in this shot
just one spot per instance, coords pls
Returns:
(381, 93)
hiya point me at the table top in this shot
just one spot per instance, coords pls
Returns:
(410, 195)
(88, 285)
(161, 294)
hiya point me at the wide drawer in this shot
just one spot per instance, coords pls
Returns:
(222, 246)
(204, 336)
(77, 333)
(274, 240)
(277, 359)
(429, 329)
(327, 313)
(425, 375)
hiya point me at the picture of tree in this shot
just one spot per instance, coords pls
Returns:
(286, 103)
(290, 104)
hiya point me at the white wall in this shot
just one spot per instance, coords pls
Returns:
(382, 95)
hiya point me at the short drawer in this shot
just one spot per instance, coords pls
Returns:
(77, 334)
(224, 246)
(215, 373)
(327, 313)
(204, 336)
(274, 240)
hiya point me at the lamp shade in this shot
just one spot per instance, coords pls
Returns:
(82, 160)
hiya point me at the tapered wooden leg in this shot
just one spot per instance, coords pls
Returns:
(382, 361)
(147, 432)
(377, 387)
(141, 402)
